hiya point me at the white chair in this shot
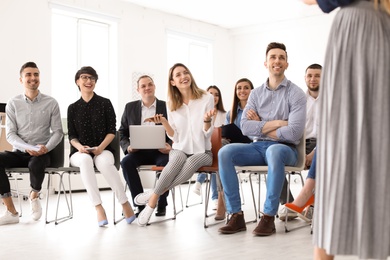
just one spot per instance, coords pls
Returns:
(290, 170)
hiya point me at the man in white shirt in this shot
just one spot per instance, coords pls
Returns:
(135, 113)
(312, 79)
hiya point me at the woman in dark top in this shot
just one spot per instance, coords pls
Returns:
(91, 128)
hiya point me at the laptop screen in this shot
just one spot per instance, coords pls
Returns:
(147, 136)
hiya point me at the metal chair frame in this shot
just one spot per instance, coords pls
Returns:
(289, 170)
(57, 161)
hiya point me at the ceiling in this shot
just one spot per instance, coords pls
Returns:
(232, 14)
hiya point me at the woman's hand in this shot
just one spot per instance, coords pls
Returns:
(157, 119)
(85, 149)
(209, 114)
(165, 150)
(97, 150)
(310, 2)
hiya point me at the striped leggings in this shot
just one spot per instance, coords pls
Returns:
(180, 168)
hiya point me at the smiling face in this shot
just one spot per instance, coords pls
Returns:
(86, 83)
(30, 78)
(276, 62)
(181, 78)
(243, 89)
(146, 88)
(215, 94)
(313, 78)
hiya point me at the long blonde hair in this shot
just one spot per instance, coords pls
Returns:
(175, 99)
(384, 3)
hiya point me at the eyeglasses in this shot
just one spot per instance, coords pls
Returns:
(86, 78)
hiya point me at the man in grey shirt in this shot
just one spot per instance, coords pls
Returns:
(275, 116)
(34, 128)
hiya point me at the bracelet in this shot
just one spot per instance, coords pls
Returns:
(209, 121)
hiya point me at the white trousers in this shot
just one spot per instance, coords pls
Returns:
(104, 163)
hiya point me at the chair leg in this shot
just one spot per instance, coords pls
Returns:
(175, 211)
(207, 199)
(116, 221)
(181, 200)
(188, 195)
(16, 180)
(253, 199)
(242, 190)
(288, 195)
(68, 200)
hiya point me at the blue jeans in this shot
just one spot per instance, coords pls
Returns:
(270, 153)
(214, 191)
(312, 171)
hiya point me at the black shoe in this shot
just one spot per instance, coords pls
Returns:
(160, 211)
(138, 210)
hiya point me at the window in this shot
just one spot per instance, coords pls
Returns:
(195, 53)
(82, 39)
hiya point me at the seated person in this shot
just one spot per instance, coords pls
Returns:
(242, 89)
(190, 111)
(135, 113)
(42, 129)
(91, 128)
(312, 79)
(306, 196)
(217, 121)
(275, 117)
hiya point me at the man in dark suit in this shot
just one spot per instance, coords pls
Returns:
(135, 113)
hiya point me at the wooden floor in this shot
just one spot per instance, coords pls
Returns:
(183, 238)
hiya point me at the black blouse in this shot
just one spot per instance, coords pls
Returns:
(329, 5)
(91, 121)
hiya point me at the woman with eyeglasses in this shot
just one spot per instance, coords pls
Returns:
(91, 128)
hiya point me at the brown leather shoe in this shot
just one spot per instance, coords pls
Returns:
(236, 224)
(266, 226)
(221, 209)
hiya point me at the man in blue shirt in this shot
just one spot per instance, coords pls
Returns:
(275, 117)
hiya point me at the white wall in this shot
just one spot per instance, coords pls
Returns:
(25, 30)
(25, 36)
(305, 40)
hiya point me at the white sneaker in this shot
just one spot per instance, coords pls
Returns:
(143, 198)
(9, 218)
(36, 209)
(215, 204)
(197, 188)
(290, 214)
(144, 216)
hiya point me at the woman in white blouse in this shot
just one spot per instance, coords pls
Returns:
(190, 111)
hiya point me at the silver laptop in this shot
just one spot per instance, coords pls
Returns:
(147, 136)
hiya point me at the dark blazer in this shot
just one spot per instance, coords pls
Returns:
(132, 116)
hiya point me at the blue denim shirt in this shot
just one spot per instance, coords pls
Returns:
(237, 120)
